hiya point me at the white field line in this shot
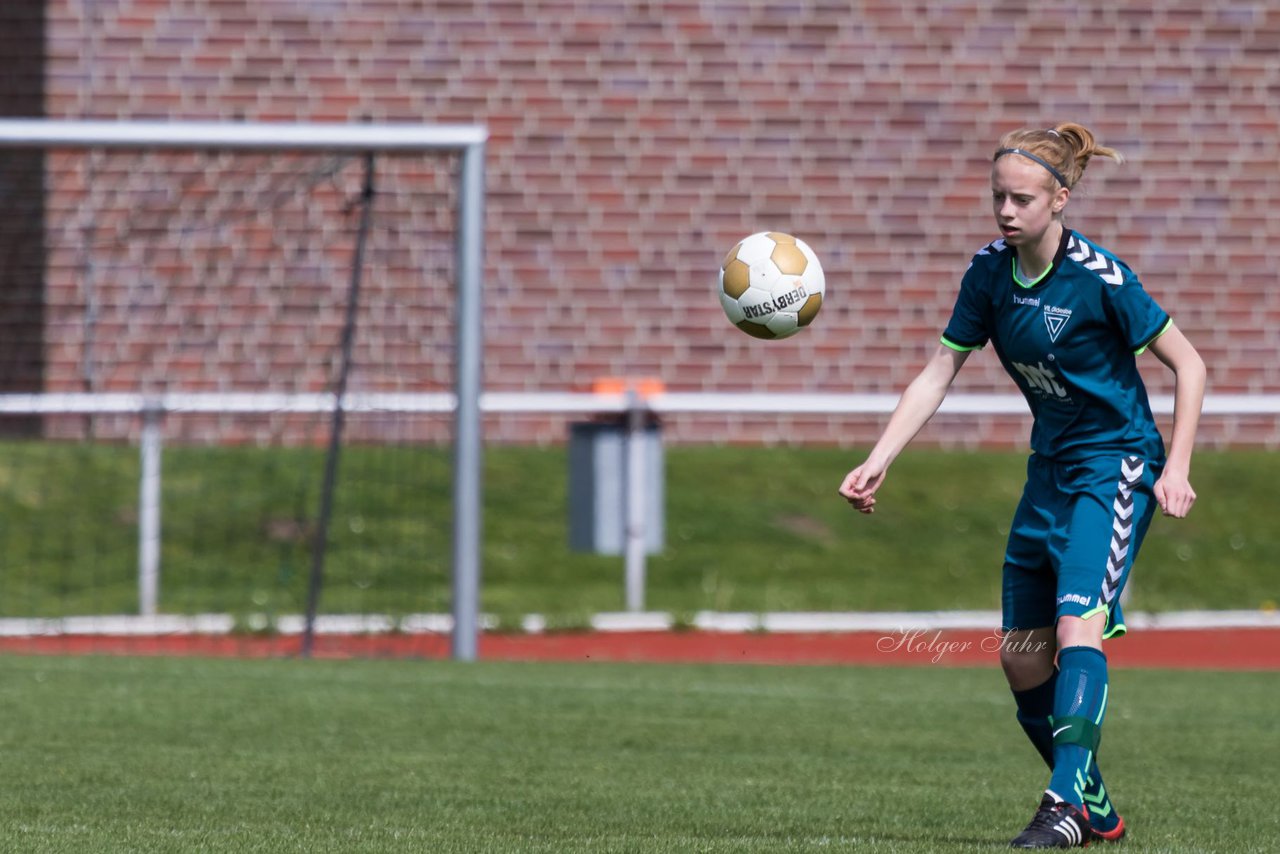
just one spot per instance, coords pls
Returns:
(648, 621)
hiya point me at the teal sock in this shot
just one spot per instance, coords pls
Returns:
(1102, 813)
(1079, 705)
(1035, 707)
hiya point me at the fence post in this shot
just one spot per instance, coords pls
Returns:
(149, 509)
(636, 494)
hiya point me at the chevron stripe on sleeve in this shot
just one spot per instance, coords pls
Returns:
(1106, 268)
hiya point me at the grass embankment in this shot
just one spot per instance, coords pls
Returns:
(747, 529)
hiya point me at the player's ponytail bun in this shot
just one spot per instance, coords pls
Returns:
(1066, 147)
(1083, 147)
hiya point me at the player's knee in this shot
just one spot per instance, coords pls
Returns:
(1026, 661)
(1074, 631)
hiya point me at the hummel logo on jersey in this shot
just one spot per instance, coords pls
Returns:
(1055, 318)
(1107, 270)
(1040, 379)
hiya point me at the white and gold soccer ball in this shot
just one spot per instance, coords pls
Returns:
(771, 285)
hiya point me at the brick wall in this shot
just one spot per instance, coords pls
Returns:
(633, 143)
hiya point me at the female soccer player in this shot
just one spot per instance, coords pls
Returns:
(1067, 319)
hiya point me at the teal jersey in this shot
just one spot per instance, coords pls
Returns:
(1070, 343)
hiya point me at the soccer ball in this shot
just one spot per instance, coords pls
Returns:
(771, 285)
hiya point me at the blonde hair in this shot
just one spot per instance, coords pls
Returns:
(1066, 147)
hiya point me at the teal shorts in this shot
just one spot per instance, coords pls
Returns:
(1074, 538)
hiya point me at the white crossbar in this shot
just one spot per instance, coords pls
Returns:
(32, 133)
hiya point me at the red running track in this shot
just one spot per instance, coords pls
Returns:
(1216, 649)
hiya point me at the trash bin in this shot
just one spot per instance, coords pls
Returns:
(598, 486)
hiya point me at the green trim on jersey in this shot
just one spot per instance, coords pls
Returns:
(1162, 331)
(958, 347)
(1118, 630)
(1104, 610)
(1017, 280)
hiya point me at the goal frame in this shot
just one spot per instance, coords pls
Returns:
(465, 140)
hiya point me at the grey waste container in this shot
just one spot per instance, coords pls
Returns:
(598, 486)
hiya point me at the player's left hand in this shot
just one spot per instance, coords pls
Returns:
(1174, 494)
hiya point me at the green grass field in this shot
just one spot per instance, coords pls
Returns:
(748, 529)
(141, 755)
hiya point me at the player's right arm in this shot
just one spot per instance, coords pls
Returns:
(918, 403)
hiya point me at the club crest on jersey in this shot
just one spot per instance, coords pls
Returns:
(1054, 319)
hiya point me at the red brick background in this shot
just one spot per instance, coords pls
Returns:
(632, 143)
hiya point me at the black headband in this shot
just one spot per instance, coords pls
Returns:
(1045, 163)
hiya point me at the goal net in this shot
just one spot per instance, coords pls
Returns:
(230, 364)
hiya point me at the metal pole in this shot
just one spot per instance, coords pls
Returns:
(149, 511)
(636, 489)
(467, 442)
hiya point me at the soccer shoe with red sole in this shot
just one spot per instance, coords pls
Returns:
(1115, 834)
(1056, 824)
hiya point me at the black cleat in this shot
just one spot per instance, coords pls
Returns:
(1057, 824)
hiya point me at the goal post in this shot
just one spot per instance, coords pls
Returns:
(467, 143)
